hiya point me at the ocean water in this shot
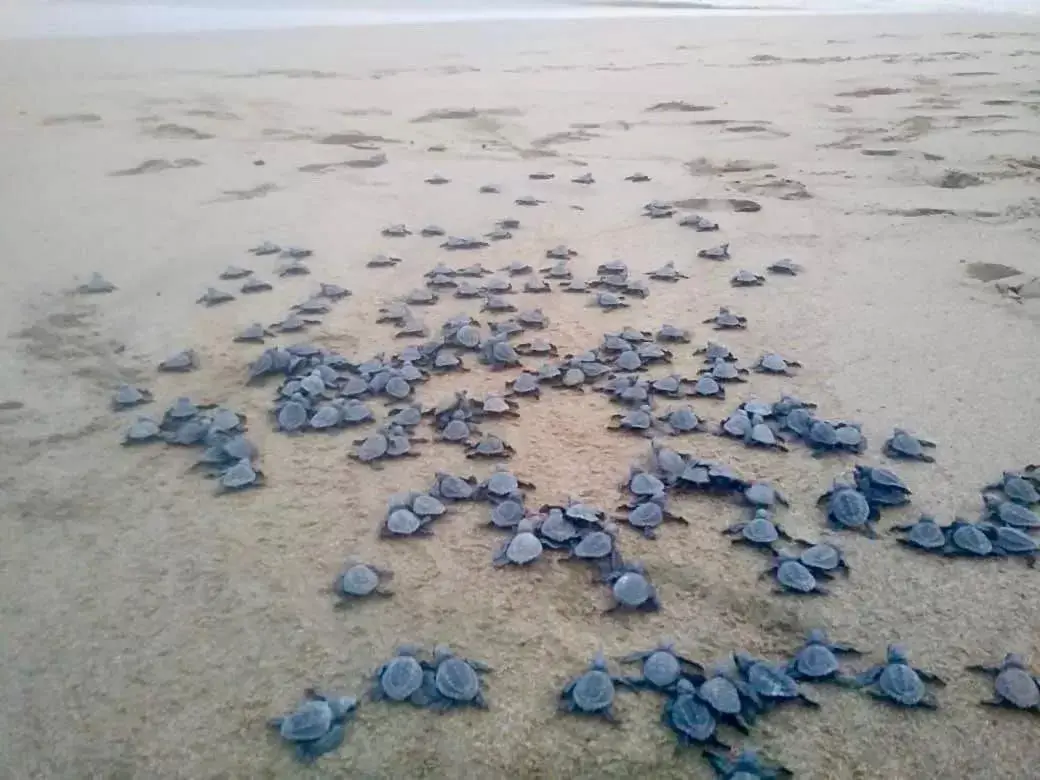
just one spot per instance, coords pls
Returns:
(77, 18)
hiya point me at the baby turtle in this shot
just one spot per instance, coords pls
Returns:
(673, 334)
(1011, 541)
(502, 485)
(679, 420)
(255, 333)
(318, 726)
(396, 231)
(457, 431)
(647, 515)
(760, 531)
(637, 177)
(523, 549)
(498, 353)
(498, 234)
(489, 446)
(400, 678)
(1010, 513)
(585, 178)
(727, 320)
(1016, 487)
(698, 223)
(266, 248)
(506, 515)
(455, 243)
(128, 395)
(383, 261)
(420, 297)
(636, 420)
(662, 668)
(467, 290)
(296, 252)
(185, 360)
(143, 430)
(714, 351)
(518, 268)
(823, 559)
(312, 306)
(537, 347)
(541, 176)
(497, 303)
(967, 540)
(608, 300)
(452, 488)
(294, 323)
(600, 548)
(592, 693)
(743, 278)
(773, 363)
(456, 680)
(358, 580)
(560, 252)
(537, 286)
(1014, 685)
(848, 508)
(401, 522)
(898, 682)
(239, 476)
(689, 718)
(474, 271)
(709, 387)
(636, 288)
(496, 405)
(488, 189)
(667, 273)
(354, 412)
(720, 252)
(96, 284)
(926, 534)
(496, 286)
(254, 285)
(725, 371)
(729, 698)
(525, 383)
(657, 210)
(559, 270)
(785, 267)
(793, 576)
(769, 683)
(528, 200)
(762, 494)
(817, 659)
(332, 292)
(293, 268)
(746, 766)
(882, 487)
(235, 272)
(390, 442)
(431, 231)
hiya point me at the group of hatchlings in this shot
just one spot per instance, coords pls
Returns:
(325, 391)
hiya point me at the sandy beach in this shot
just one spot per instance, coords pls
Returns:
(149, 628)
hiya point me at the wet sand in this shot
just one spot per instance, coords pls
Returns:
(150, 628)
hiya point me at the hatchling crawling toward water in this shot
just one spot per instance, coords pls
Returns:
(1015, 486)
(456, 681)
(745, 278)
(760, 531)
(359, 580)
(97, 284)
(255, 285)
(747, 765)
(467, 290)
(897, 682)
(663, 668)
(265, 248)
(143, 430)
(639, 420)
(632, 589)
(528, 200)
(720, 252)
(817, 659)
(453, 488)
(774, 363)
(537, 347)
(537, 286)
(1010, 513)
(725, 371)
(689, 718)
(698, 223)
(396, 231)
(463, 242)
(637, 177)
(294, 267)
(673, 334)
(592, 692)
(769, 683)
(127, 395)
(318, 726)
(558, 270)
(235, 272)
(383, 261)
(793, 577)
(523, 549)
(185, 360)
(1014, 684)
(679, 420)
(848, 508)
(785, 267)
(490, 446)
(727, 320)
(518, 268)
(647, 515)
(391, 441)
(667, 273)
(497, 303)
(608, 300)
(431, 231)
(525, 383)
(401, 678)
(213, 296)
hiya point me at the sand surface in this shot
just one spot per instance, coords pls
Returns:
(150, 628)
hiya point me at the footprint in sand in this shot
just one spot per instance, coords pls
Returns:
(368, 162)
(565, 137)
(157, 166)
(990, 272)
(879, 152)
(775, 187)
(169, 130)
(957, 180)
(680, 106)
(71, 119)
(259, 191)
(872, 92)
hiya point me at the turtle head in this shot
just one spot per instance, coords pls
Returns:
(991, 501)
(684, 687)
(897, 654)
(410, 649)
(816, 636)
(442, 653)
(743, 660)
(599, 662)
(1014, 661)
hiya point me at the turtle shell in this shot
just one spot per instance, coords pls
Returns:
(927, 534)
(457, 680)
(401, 677)
(523, 548)
(292, 416)
(557, 529)
(760, 530)
(849, 507)
(690, 718)
(1016, 515)
(1018, 687)
(646, 515)
(310, 721)
(453, 488)
(456, 430)
(901, 684)
(239, 476)
(507, 514)
(794, 575)
(815, 661)
(632, 589)
(645, 484)
(359, 580)
(662, 669)
(403, 522)
(501, 484)
(708, 386)
(721, 695)
(593, 691)
(822, 557)
(970, 539)
(595, 544)
(326, 416)
(425, 505)
(769, 682)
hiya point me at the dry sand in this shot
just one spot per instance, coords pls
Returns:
(150, 628)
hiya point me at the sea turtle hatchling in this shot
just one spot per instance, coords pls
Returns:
(332, 292)
(769, 683)
(698, 223)
(502, 485)
(453, 488)
(143, 430)
(354, 412)
(679, 420)
(185, 360)
(592, 692)
(457, 432)
(720, 252)
(726, 320)
(689, 718)
(632, 589)
(725, 371)
(608, 300)
(400, 679)
(848, 508)
(639, 420)
(926, 534)
(785, 267)
(498, 353)
(235, 272)
(1016, 487)
(402, 522)
(396, 231)
(662, 668)
(1014, 685)
(518, 268)
(744, 278)
(495, 286)
(708, 387)
(255, 334)
(1011, 541)
(760, 531)
(293, 323)
(817, 659)
(497, 405)
(673, 334)
(541, 176)
(636, 288)
(506, 515)
(794, 577)
(497, 303)
(431, 231)
(265, 248)
(637, 177)
(390, 442)
(1009, 513)
(713, 351)
(421, 297)
(585, 178)
(238, 476)
(537, 347)
(774, 363)
(823, 559)
(524, 383)
(598, 547)
(294, 267)
(489, 446)
(649, 514)
(667, 273)
(318, 726)
(898, 682)
(508, 223)
(537, 286)
(255, 285)
(95, 285)
(383, 261)
(488, 189)
(728, 698)
(312, 306)
(456, 680)
(296, 252)
(455, 243)
(558, 270)
(359, 580)
(656, 209)
(523, 549)
(498, 234)
(528, 200)
(126, 396)
(746, 765)
(467, 290)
